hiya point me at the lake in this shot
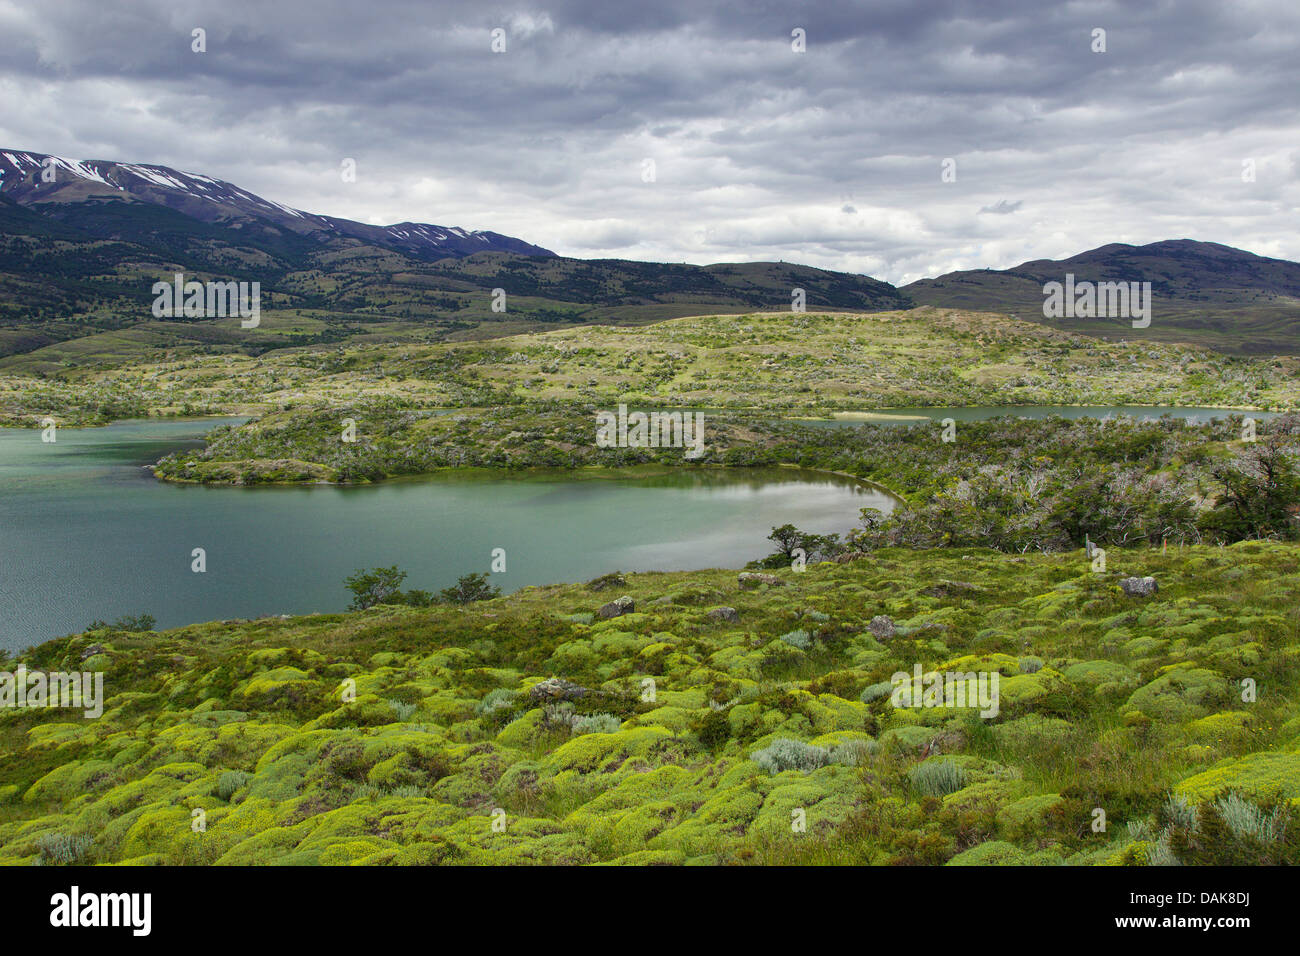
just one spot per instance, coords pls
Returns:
(87, 533)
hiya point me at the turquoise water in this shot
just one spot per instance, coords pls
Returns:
(86, 532)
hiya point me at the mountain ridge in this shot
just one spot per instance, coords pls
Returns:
(23, 178)
(81, 242)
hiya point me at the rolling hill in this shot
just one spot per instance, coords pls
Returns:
(79, 256)
(1203, 292)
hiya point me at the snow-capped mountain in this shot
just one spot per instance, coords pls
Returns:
(35, 179)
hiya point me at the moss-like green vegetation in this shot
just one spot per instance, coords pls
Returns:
(782, 363)
(524, 729)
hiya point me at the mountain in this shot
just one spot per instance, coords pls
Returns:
(83, 242)
(79, 255)
(39, 179)
(1225, 298)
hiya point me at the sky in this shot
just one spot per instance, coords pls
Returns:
(690, 131)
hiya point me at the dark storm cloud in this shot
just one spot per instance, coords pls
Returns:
(832, 156)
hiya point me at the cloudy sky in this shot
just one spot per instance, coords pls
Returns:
(833, 156)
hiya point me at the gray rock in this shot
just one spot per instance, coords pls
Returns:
(882, 626)
(752, 579)
(1139, 587)
(616, 608)
(728, 614)
(555, 689)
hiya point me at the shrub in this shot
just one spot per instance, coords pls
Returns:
(784, 754)
(799, 639)
(60, 849)
(471, 587)
(229, 782)
(496, 700)
(877, 691)
(596, 724)
(403, 710)
(375, 586)
(936, 778)
(1248, 820)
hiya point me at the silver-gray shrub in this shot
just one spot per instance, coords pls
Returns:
(799, 639)
(61, 848)
(596, 724)
(496, 700)
(937, 778)
(403, 711)
(1246, 819)
(853, 753)
(877, 691)
(785, 754)
(1180, 813)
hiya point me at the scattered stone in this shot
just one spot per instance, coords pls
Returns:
(1139, 587)
(616, 608)
(666, 599)
(92, 650)
(882, 626)
(557, 688)
(606, 581)
(728, 614)
(752, 579)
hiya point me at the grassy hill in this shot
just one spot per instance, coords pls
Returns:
(782, 363)
(688, 737)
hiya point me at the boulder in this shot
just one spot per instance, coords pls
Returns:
(556, 689)
(616, 608)
(752, 579)
(606, 581)
(1139, 587)
(728, 614)
(882, 626)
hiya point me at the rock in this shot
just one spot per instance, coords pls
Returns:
(1139, 587)
(752, 579)
(728, 614)
(848, 556)
(617, 608)
(92, 650)
(882, 626)
(557, 688)
(605, 581)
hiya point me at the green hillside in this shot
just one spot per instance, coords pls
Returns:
(681, 734)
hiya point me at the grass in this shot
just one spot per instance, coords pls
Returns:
(244, 720)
